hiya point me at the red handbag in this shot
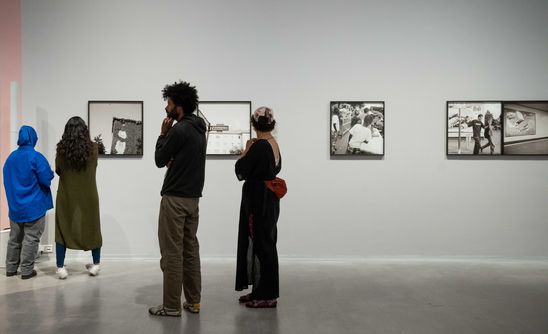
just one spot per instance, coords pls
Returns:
(277, 186)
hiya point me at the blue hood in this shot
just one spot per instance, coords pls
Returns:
(27, 180)
(27, 136)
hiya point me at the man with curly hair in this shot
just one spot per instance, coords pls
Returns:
(182, 148)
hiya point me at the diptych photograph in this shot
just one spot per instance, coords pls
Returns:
(497, 128)
(229, 126)
(116, 127)
(474, 128)
(356, 128)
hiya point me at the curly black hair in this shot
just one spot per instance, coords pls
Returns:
(75, 146)
(368, 119)
(262, 124)
(182, 94)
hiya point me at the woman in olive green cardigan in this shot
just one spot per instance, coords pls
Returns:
(77, 223)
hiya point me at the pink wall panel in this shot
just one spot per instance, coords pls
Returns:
(10, 70)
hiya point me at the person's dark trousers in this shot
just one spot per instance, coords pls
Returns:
(61, 250)
(23, 245)
(477, 145)
(267, 286)
(489, 144)
(180, 250)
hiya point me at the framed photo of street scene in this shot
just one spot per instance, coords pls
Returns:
(480, 128)
(229, 126)
(525, 127)
(474, 128)
(357, 128)
(116, 127)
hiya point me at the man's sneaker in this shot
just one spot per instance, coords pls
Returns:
(31, 275)
(62, 273)
(160, 310)
(11, 273)
(192, 308)
(93, 269)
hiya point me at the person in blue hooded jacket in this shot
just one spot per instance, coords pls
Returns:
(27, 180)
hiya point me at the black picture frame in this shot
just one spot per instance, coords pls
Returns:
(226, 136)
(530, 145)
(128, 116)
(339, 142)
(467, 135)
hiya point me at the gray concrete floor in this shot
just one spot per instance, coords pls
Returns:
(362, 296)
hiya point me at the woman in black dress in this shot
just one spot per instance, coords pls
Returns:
(257, 261)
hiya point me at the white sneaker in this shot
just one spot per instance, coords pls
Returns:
(62, 273)
(93, 269)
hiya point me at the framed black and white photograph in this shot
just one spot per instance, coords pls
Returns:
(525, 128)
(116, 127)
(357, 128)
(229, 126)
(474, 128)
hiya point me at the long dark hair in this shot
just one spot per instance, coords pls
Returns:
(75, 146)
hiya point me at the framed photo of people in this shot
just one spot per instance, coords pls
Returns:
(229, 126)
(116, 127)
(474, 127)
(356, 128)
(493, 128)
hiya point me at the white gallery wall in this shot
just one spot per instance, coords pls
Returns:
(296, 56)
